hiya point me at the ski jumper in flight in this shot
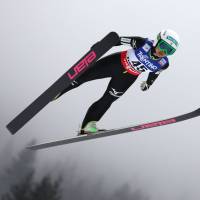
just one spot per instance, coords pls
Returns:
(123, 68)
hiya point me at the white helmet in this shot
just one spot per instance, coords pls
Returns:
(167, 41)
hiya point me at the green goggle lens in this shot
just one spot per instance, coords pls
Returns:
(164, 46)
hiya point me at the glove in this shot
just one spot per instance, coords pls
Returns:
(144, 86)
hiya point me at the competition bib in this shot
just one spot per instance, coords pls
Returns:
(137, 61)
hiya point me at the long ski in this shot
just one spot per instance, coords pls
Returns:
(64, 81)
(173, 120)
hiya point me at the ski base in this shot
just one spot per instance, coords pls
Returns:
(107, 133)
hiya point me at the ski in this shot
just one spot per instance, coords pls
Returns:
(173, 120)
(96, 51)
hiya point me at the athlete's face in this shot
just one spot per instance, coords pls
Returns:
(159, 53)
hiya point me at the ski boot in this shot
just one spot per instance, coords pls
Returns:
(90, 129)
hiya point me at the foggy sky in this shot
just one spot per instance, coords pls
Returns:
(40, 40)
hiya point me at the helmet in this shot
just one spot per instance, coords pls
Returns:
(167, 41)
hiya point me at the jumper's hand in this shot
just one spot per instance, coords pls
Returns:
(144, 86)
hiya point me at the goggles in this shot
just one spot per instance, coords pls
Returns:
(164, 46)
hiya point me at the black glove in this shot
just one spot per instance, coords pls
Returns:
(144, 86)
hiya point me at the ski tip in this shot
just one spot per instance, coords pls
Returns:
(115, 37)
(114, 34)
(111, 37)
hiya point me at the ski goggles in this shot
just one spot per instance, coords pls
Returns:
(165, 47)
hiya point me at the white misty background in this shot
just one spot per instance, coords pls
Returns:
(40, 40)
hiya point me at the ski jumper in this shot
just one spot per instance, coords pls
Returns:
(123, 68)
